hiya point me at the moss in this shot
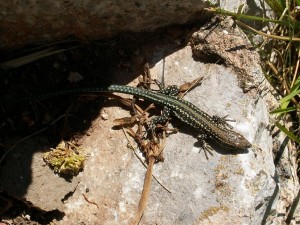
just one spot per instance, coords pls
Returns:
(65, 159)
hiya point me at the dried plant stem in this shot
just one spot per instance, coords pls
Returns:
(145, 193)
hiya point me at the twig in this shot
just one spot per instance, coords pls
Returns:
(145, 193)
(141, 160)
(192, 84)
(94, 203)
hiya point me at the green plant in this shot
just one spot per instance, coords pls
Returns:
(280, 52)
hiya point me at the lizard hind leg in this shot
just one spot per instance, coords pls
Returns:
(172, 90)
(165, 116)
(204, 145)
(222, 121)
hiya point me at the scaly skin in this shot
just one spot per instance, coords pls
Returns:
(183, 110)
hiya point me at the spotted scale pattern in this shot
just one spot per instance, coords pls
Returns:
(183, 110)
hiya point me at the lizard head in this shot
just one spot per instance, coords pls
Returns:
(237, 141)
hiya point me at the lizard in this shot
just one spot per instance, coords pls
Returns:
(210, 127)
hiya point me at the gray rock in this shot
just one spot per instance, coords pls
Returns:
(25, 175)
(226, 187)
(36, 22)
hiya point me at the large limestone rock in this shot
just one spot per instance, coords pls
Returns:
(37, 22)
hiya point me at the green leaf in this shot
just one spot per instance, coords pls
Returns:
(284, 110)
(276, 6)
(296, 85)
(290, 96)
(294, 92)
(288, 133)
